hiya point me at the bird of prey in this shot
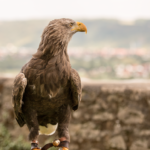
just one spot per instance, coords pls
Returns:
(47, 89)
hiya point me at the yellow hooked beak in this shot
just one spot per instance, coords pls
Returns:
(80, 27)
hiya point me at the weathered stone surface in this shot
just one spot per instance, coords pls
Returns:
(139, 144)
(130, 115)
(117, 142)
(111, 116)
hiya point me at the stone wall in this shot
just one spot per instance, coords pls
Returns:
(112, 116)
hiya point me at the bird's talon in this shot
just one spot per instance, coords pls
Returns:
(34, 146)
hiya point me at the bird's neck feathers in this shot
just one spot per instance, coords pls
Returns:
(53, 42)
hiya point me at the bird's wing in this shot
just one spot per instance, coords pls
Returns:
(19, 86)
(76, 90)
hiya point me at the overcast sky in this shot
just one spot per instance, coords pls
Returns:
(41, 9)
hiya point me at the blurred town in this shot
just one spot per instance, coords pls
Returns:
(108, 63)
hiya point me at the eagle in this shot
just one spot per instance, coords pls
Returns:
(47, 89)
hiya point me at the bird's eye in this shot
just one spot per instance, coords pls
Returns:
(71, 24)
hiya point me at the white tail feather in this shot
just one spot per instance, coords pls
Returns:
(49, 130)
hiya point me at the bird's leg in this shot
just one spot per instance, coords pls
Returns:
(33, 125)
(63, 123)
(34, 145)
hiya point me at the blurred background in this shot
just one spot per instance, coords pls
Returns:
(115, 50)
(117, 45)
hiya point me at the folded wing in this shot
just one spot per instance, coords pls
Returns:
(76, 90)
(19, 86)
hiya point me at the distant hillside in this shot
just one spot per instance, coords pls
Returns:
(100, 33)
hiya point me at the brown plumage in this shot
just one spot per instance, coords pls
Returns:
(47, 88)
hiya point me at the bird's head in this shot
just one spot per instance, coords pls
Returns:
(67, 26)
(57, 34)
